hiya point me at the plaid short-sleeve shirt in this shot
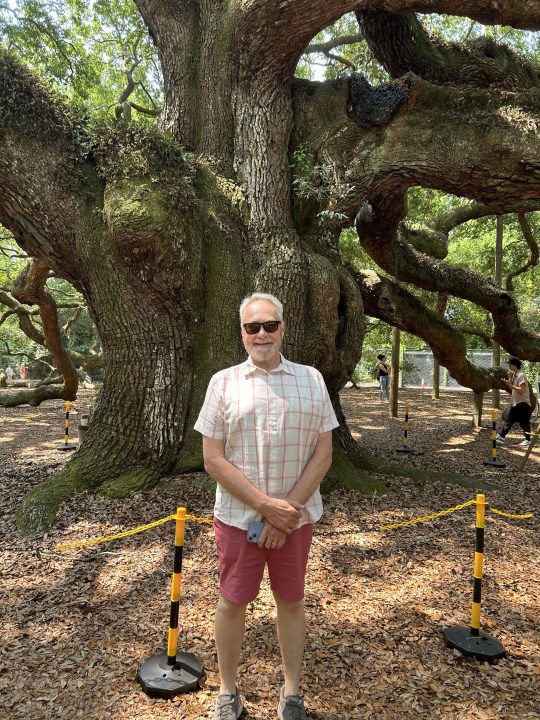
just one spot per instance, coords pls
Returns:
(270, 423)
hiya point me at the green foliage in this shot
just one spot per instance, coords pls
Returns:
(84, 49)
(352, 252)
(473, 245)
(27, 99)
(134, 148)
(342, 60)
(14, 344)
(317, 183)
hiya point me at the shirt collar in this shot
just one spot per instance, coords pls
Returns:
(285, 366)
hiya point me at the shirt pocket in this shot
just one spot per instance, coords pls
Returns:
(303, 413)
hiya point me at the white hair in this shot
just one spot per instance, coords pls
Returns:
(261, 296)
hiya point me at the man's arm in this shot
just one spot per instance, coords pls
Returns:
(282, 514)
(315, 470)
(518, 388)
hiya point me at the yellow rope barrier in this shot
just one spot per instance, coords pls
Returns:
(199, 519)
(96, 541)
(447, 512)
(126, 533)
(207, 521)
(509, 515)
(427, 517)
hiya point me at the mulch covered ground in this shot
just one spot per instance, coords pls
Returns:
(77, 624)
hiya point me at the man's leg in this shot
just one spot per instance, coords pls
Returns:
(512, 419)
(524, 419)
(229, 634)
(291, 632)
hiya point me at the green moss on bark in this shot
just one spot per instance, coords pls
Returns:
(39, 507)
(128, 483)
(344, 474)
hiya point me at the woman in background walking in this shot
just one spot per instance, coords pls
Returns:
(383, 376)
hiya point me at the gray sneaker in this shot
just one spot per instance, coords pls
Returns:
(499, 439)
(228, 707)
(291, 707)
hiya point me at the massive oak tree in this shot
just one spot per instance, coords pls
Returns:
(164, 232)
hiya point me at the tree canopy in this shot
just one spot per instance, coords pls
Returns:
(185, 155)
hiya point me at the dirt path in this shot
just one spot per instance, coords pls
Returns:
(77, 624)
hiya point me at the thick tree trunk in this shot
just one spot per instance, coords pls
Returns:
(164, 246)
(164, 295)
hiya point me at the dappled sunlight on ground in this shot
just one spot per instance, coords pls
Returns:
(80, 622)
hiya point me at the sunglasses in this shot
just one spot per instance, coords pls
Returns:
(270, 326)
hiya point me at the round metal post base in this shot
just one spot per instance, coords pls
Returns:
(66, 447)
(494, 463)
(481, 646)
(158, 679)
(405, 450)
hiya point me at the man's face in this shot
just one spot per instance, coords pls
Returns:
(263, 347)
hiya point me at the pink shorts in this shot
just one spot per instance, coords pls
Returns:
(241, 564)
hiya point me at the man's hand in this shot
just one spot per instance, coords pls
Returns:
(283, 515)
(271, 537)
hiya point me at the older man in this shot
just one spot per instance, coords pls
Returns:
(267, 440)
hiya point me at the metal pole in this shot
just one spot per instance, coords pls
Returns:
(66, 445)
(494, 462)
(394, 375)
(167, 675)
(176, 583)
(471, 640)
(406, 448)
(478, 564)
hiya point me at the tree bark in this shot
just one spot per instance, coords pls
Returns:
(163, 243)
(401, 45)
(394, 377)
(496, 359)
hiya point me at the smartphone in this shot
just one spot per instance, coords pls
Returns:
(255, 529)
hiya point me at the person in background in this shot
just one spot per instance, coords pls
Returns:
(267, 441)
(383, 376)
(520, 410)
(9, 373)
(22, 371)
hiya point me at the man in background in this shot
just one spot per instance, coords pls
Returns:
(520, 410)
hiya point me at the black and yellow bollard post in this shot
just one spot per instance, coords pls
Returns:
(406, 448)
(494, 462)
(66, 445)
(171, 673)
(472, 641)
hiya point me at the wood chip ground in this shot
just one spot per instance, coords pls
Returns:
(77, 624)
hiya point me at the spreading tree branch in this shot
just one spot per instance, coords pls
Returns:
(329, 45)
(377, 225)
(401, 45)
(123, 107)
(30, 288)
(533, 247)
(388, 300)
